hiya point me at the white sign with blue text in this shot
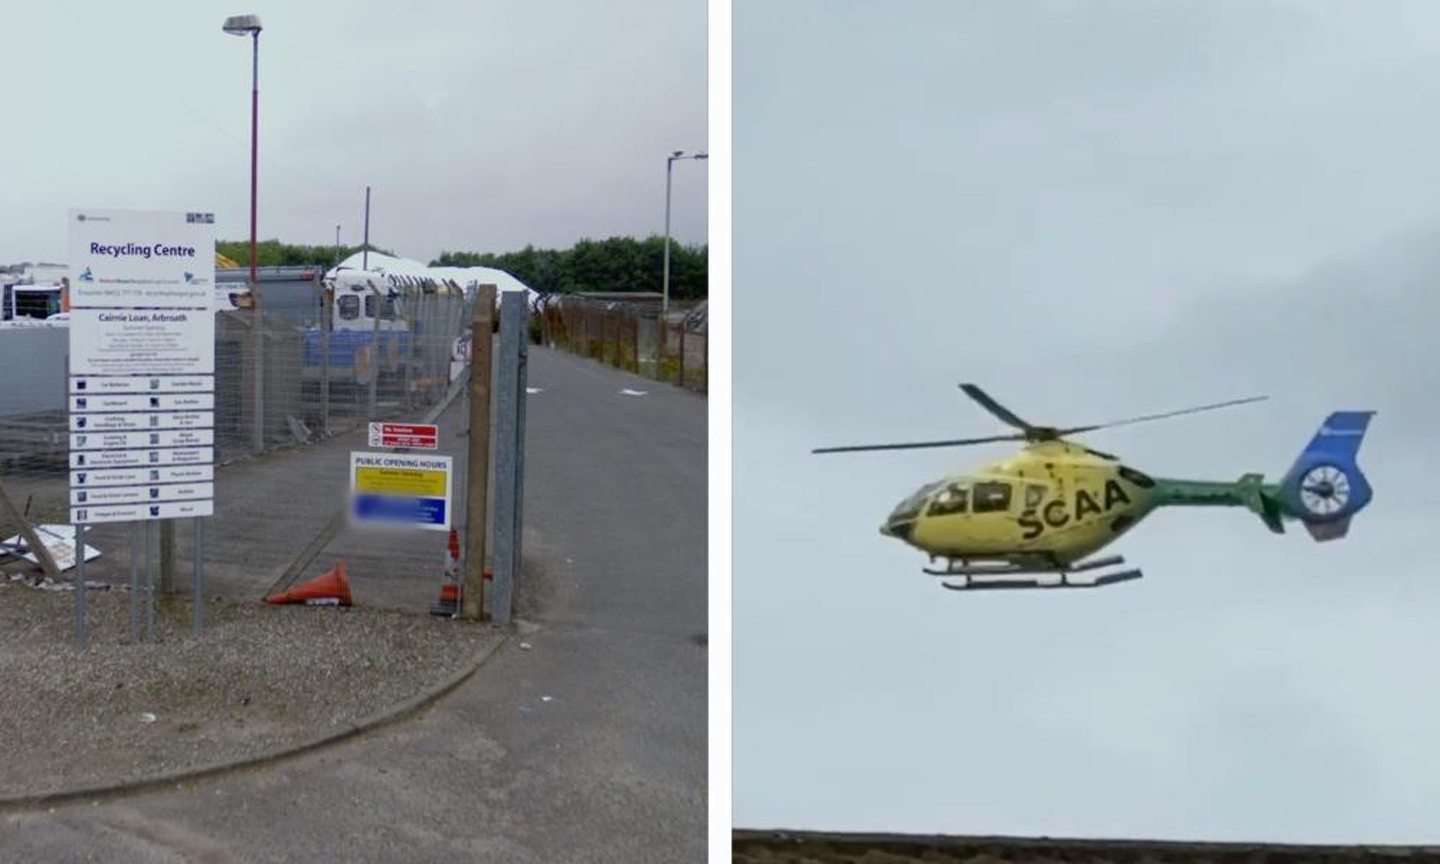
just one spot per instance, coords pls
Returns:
(142, 365)
(135, 259)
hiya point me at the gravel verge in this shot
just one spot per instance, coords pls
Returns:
(258, 679)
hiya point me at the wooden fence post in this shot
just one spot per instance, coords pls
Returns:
(477, 468)
(635, 341)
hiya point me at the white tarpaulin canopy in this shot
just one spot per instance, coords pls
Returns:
(467, 278)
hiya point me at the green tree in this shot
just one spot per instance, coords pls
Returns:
(273, 253)
(613, 264)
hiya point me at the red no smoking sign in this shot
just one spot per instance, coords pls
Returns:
(409, 436)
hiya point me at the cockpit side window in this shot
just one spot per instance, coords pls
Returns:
(991, 497)
(1034, 494)
(953, 499)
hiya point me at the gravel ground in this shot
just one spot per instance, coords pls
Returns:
(257, 678)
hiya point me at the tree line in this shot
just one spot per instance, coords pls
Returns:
(614, 264)
(273, 253)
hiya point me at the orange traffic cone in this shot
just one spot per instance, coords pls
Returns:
(331, 589)
(449, 603)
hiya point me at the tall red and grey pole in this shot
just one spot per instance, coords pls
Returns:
(249, 25)
(243, 25)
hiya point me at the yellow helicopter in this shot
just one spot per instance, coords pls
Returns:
(1031, 521)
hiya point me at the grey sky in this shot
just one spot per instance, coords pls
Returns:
(480, 126)
(1095, 210)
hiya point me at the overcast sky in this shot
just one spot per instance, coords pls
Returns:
(480, 126)
(1095, 210)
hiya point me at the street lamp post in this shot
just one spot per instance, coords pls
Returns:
(665, 297)
(249, 25)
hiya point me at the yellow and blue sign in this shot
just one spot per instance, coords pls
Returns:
(400, 490)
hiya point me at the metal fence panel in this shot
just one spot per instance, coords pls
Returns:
(631, 335)
(302, 395)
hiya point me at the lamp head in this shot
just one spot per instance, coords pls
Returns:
(242, 25)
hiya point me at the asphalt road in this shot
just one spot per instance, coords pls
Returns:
(587, 745)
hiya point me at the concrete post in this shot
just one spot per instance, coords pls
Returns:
(524, 375)
(508, 398)
(477, 471)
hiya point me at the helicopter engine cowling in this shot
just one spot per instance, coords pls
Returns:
(1325, 487)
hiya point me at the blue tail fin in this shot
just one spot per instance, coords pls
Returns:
(1325, 486)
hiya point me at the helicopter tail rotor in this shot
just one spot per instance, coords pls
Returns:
(1325, 487)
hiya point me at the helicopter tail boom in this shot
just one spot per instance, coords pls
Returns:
(1323, 489)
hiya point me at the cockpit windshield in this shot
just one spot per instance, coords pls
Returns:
(910, 508)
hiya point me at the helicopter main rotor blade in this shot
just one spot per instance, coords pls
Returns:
(918, 444)
(995, 408)
(1148, 417)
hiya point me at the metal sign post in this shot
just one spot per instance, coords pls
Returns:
(80, 633)
(134, 583)
(197, 592)
(150, 564)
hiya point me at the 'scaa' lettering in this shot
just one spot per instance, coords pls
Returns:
(1055, 515)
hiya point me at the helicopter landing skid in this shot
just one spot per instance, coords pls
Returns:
(1007, 568)
(984, 576)
(974, 584)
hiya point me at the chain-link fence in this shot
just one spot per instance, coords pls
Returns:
(371, 352)
(312, 361)
(628, 331)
